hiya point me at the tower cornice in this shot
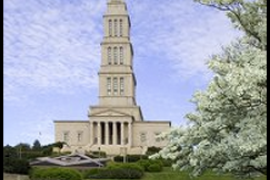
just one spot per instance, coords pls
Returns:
(115, 1)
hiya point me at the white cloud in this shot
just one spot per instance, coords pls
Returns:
(54, 44)
(185, 34)
(50, 46)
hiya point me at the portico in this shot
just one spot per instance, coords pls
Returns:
(111, 133)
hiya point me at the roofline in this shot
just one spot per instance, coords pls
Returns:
(162, 122)
(71, 121)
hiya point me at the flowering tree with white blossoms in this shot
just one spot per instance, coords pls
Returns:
(227, 132)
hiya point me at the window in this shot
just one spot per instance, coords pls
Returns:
(115, 86)
(121, 55)
(121, 27)
(110, 27)
(158, 139)
(109, 86)
(66, 136)
(143, 136)
(109, 55)
(79, 136)
(115, 55)
(121, 86)
(115, 28)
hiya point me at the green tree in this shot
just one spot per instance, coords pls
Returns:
(227, 132)
(9, 151)
(23, 146)
(22, 149)
(36, 145)
(12, 163)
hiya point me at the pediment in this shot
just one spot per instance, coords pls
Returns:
(110, 113)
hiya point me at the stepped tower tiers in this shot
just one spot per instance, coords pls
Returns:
(117, 82)
(116, 124)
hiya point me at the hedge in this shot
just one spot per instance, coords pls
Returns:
(55, 173)
(151, 165)
(130, 158)
(16, 166)
(152, 150)
(154, 168)
(96, 154)
(116, 171)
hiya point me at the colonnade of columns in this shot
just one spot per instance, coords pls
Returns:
(110, 133)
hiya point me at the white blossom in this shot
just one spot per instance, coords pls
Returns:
(228, 129)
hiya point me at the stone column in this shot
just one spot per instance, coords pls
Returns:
(122, 134)
(129, 134)
(107, 135)
(99, 133)
(114, 133)
(91, 129)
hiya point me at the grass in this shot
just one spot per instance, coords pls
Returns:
(166, 174)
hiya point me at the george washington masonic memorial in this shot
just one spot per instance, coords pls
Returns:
(116, 125)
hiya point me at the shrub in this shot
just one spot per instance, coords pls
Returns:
(118, 158)
(56, 154)
(130, 158)
(144, 163)
(59, 144)
(116, 171)
(113, 165)
(128, 173)
(91, 172)
(98, 154)
(55, 174)
(166, 162)
(47, 151)
(21, 166)
(16, 166)
(154, 168)
(31, 154)
(157, 161)
(135, 158)
(152, 150)
(151, 165)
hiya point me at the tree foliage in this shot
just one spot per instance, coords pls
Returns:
(23, 147)
(36, 145)
(16, 159)
(13, 161)
(227, 132)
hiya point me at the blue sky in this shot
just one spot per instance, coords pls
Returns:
(52, 56)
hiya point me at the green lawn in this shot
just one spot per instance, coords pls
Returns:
(166, 174)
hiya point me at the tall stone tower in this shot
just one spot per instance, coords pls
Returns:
(117, 110)
(117, 82)
(116, 125)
